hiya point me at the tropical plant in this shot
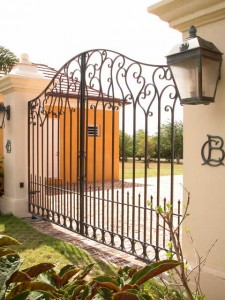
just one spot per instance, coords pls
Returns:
(7, 60)
(42, 282)
(129, 282)
(39, 281)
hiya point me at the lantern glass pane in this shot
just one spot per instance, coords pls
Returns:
(210, 76)
(186, 77)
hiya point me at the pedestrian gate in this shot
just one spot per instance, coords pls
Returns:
(90, 135)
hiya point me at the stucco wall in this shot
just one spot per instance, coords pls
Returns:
(206, 184)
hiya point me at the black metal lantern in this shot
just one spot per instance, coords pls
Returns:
(4, 112)
(195, 65)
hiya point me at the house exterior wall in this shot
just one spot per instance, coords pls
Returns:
(205, 184)
(96, 156)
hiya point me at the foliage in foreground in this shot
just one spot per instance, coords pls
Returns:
(42, 282)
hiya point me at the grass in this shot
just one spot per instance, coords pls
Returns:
(38, 248)
(165, 169)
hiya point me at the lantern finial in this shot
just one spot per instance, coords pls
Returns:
(192, 32)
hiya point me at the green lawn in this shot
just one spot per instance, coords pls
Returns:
(37, 247)
(165, 169)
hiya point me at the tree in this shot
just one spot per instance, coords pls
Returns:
(140, 145)
(7, 60)
(128, 145)
(165, 140)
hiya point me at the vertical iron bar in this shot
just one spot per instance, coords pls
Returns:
(82, 130)
(133, 178)
(178, 219)
(71, 160)
(94, 170)
(103, 165)
(112, 179)
(164, 225)
(29, 149)
(117, 211)
(99, 207)
(107, 209)
(172, 160)
(158, 177)
(145, 183)
(139, 219)
(128, 214)
(151, 221)
(122, 171)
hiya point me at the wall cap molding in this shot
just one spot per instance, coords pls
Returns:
(15, 83)
(181, 14)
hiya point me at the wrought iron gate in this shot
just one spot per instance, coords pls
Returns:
(79, 133)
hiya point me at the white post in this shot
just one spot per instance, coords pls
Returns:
(22, 84)
(205, 183)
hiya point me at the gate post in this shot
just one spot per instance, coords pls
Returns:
(202, 125)
(22, 84)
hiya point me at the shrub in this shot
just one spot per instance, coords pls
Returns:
(42, 282)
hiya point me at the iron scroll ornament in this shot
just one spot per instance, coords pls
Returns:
(213, 144)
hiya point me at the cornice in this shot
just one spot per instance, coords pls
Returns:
(14, 83)
(181, 14)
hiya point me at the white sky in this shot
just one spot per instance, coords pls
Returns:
(53, 31)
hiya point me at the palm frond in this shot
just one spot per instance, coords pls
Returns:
(7, 60)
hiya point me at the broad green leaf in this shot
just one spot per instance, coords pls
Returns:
(108, 285)
(65, 269)
(9, 264)
(72, 285)
(6, 251)
(34, 271)
(125, 296)
(152, 270)
(104, 278)
(33, 296)
(18, 276)
(76, 292)
(21, 296)
(88, 294)
(159, 210)
(6, 240)
(105, 293)
(68, 275)
(49, 277)
(128, 287)
(84, 272)
(30, 286)
(132, 271)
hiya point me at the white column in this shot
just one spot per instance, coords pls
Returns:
(205, 184)
(23, 84)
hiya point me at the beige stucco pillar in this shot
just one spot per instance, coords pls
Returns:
(206, 184)
(23, 84)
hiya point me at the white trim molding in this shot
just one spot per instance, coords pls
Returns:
(181, 14)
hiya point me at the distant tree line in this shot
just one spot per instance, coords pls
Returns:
(148, 146)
